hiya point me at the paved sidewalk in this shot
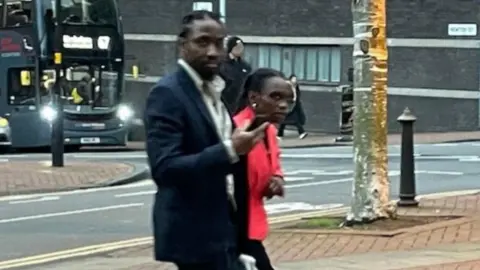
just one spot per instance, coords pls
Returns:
(314, 139)
(20, 177)
(466, 265)
(451, 243)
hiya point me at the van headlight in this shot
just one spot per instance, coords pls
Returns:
(124, 112)
(48, 113)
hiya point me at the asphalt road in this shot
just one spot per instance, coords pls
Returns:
(317, 178)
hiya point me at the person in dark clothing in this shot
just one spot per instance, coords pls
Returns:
(81, 93)
(234, 70)
(297, 116)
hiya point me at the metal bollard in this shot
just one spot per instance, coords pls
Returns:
(407, 165)
(57, 145)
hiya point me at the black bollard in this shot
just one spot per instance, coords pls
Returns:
(57, 144)
(407, 165)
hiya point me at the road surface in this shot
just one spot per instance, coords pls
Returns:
(317, 178)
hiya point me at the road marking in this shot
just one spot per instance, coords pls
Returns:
(328, 182)
(297, 206)
(107, 247)
(146, 182)
(68, 213)
(348, 156)
(64, 254)
(133, 194)
(114, 155)
(101, 248)
(296, 179)
(319, 172)
(439, 172)
(427, 157)
(14, 156)
(470, 159)
(445, 144)
(42, 199)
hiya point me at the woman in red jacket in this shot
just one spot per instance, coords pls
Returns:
(266, 97)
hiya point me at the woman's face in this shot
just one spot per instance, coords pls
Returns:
(274, 101)
(237, 51)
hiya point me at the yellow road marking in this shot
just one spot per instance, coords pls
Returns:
(70, 253)
(101, 248)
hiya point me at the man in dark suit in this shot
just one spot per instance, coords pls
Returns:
(196, 156)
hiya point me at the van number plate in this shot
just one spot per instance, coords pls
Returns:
(89, 140)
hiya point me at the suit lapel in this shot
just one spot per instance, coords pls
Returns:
(193, 93)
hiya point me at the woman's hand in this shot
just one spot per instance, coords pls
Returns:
(275, 187)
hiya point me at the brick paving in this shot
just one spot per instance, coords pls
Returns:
(20, 177)
(294, 246)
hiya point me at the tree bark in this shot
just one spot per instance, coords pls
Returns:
(371, 185)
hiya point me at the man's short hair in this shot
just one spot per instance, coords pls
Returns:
(196, 15)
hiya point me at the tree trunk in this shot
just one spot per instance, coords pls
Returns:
(371, 185)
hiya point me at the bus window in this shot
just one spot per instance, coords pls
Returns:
(17, 13)
(21, 90)
(95, 12)
(79, 82)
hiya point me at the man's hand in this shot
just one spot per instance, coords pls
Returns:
(243, 140)
(275, 187)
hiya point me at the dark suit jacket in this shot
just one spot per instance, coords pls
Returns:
(192, 219)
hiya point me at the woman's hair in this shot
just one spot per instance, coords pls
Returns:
(255, 82)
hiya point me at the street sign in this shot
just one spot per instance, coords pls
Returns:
(462, 29)
(203, 6)
(298, 206)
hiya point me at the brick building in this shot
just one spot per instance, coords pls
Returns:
(432, 70)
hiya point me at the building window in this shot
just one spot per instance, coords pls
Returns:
(310, 63)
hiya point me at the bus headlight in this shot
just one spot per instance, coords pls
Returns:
(3, 122)
(48, 113)
(124, 113)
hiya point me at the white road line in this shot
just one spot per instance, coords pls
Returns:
(68, 213)
(15, 156)
(426, 157)
(470, 159)
(326, 156)
(295, 179)
(144, 183)
(328, 182)
(133, 194)
(298, 206)
(108, 156)
(318, 172)
(445, 144)
(348, 156)
(4, 160)
(42, 199)
(439, 172)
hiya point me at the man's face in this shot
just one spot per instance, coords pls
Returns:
(203, 48)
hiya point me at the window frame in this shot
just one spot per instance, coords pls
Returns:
(255, 51)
